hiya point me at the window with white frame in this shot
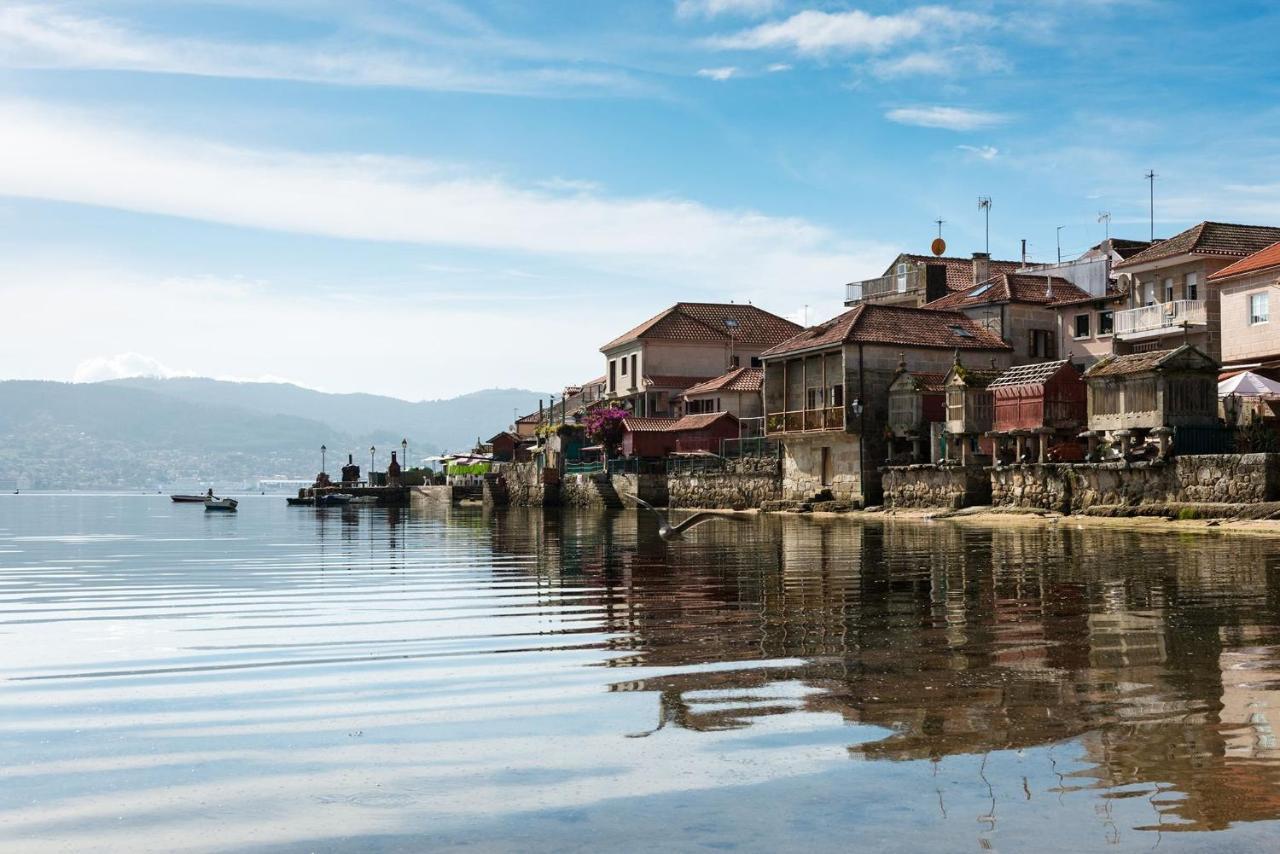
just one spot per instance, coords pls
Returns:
(1082, 326)
(1192, 286)
(1106, 322)
(1259, 308)
(1168, 290)
(1149, 289)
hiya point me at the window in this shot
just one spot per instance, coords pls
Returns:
(755, 362)
(1082, 326)
(981, 290)
(1191, 289)
(813, 398)
(1168, 290)
(902, 278)
(1149, 293)
(1040, 344)
(837, 395)
(613, 375)
(734, 362)
(961, 331)
(624, 367)
(1259, 308)
(1106, 322)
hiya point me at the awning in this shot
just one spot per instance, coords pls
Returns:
(1248, 384)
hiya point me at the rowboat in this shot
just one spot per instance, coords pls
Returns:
(333, 500)
(188, 499)
(222, 504)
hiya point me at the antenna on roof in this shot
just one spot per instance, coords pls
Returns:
(984, 204)
(1059, 239)
(1151, 179)
(1105, 217)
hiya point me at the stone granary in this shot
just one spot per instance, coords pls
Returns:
(1154, 393)
(917, 400)
(1039, 411)
(970, 412)
(350, 472)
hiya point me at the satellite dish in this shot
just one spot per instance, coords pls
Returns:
(938, 246)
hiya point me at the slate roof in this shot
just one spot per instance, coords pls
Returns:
(1263, 259)
(739, 379)
(959, 270)
(1012, 287)
(1208, 238)
(711, 322)
(876, 323)
(1036, 374)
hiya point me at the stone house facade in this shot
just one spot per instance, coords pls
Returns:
(1247, 290)
(826, 391)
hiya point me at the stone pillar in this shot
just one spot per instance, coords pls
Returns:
(1091, 451)
(1019, 444)
(1043, 456)
(964, 449)
(1164, 435)
(1124, 438)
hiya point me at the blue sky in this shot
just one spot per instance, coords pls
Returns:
(452, 196)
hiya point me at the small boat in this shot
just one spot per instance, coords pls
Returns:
(333, 500)
(300, 502)
(188, 499)
(224, 504)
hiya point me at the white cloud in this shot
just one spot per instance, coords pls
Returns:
(777, 67)
(43, 37)
(714, 8)
(948, 118)
(941, 63)
(815, 32)
(717, 73)
(983, 152)
(99, 368)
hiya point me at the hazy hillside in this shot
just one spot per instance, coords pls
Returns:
(137, 433)
(451, 424)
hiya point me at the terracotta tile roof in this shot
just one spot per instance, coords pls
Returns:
(1263, 259)
(1208, 238)
(700, 421)
(712, 322)
(739, 379)
(1012, 287)
(670, 381)
(929, 382)
(1036, 374)
(959, 270)
(1127, 248)
(636, 424)
(875, 323)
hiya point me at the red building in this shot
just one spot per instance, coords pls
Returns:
(662, 437)
(1039, 411)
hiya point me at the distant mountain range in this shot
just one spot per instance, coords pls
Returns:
(144, 432)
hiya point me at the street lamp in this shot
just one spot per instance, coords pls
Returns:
(404, 454)
(322, 451)
(372, 450)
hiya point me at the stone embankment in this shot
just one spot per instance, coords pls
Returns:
(744, 483)
(921, 486)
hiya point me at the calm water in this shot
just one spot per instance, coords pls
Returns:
(292, 680)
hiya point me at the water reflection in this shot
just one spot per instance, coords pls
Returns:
(357, 678)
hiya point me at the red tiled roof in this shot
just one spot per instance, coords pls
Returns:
(712, 322)
(700, 421)
(1263, 259)
(636, 424)
(928, 382)
(671, 425)
(1012, 287)
(671, 381)
(959, 270)
(739, 379)
(1110, 295)
(875, 323)
(1208, 238)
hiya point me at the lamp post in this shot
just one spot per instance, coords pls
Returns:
(322, 452)
(404, 454)
(372, 450)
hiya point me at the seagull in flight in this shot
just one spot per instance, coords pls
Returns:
(670, 532)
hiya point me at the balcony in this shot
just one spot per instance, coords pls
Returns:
(805, 420)
(1154, 320)
(885, 287)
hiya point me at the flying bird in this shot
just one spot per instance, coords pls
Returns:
(670, 532)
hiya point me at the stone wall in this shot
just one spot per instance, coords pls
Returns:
(743, 483)
(929, 485)
(1201, 479)
(650, 487)
(430, 496)
(802, 466)
(526, 485)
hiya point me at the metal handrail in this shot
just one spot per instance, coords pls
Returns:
(1161, 315)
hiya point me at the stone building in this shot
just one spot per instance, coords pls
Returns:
(649, 367)
(1249, 339)
(1170, 300)
(970, 412)
(826, 390)
(737, 392)
(917, 401)
(914, 280)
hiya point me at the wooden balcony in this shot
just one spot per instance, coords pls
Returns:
(805, 421)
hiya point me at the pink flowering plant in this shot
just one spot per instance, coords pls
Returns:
(604, 427)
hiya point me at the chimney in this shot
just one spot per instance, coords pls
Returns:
(981, 267)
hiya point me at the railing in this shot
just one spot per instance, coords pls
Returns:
(1163, 315)
(636, 465)
(750, 447)
(583, 466)
(885, 286)
(805, 420)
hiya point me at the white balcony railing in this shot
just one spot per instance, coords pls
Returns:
(885, 286)
(1161, 315)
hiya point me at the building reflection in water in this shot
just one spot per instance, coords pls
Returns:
(1157, 654)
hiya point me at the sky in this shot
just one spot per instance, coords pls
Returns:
(423, 198)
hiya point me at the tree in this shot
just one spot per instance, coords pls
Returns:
(605, 427)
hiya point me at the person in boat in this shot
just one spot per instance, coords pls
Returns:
(209, 494)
